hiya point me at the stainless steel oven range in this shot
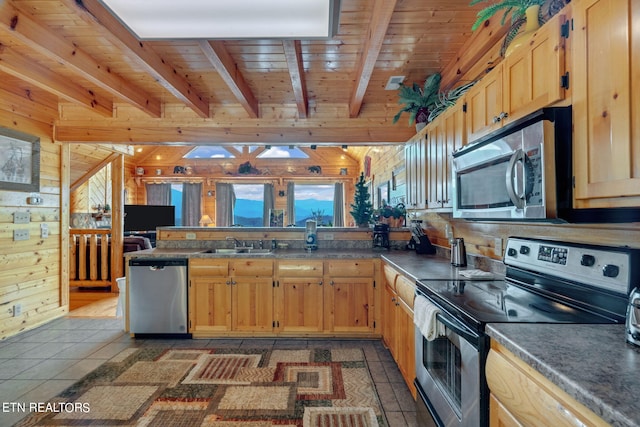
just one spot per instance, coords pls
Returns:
(546, 282)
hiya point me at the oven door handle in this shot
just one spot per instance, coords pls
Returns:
(458, 328)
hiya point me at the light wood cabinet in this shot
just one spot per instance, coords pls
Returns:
(230, 295)
(606, 76)
(416, 171)
(300, 296)
(397, 323)
(209, 296)
(520, 395)
(532, 77)
(291, 297)
(484, 105)
(252, 295)
(444, 135)
(349, 296)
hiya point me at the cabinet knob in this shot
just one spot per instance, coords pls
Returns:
(495, 119)
(331, 283)
(503, 115)
(228, 282)
(320, 283)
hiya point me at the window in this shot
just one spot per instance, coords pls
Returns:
(176, 200)
(314, 201)
(249, 206)
(209, 152)
(282, 152)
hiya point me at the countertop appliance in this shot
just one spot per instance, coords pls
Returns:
(458, 253)
(515, 174)
(381, 236)
(158, 297)
(545, 282)
(310, 235)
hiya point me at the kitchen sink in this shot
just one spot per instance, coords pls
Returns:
(249, 251)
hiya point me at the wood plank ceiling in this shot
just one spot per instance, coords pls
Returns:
(96, 83)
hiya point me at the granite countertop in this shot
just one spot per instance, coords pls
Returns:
(436, 267)
(276, 253)
(592, 363)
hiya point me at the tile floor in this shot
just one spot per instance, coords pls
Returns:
(37, 365)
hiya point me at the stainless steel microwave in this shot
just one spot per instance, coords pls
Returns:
(515, 174)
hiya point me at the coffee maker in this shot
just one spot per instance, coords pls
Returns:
(381, 236)
(310, 235)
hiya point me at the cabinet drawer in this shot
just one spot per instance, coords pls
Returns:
(390, 276)
(208, 267)
(360, 268)
(300, 268)
(251, 267)
(531, 398)
(406, 288)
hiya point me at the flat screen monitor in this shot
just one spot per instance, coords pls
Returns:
(148, 217)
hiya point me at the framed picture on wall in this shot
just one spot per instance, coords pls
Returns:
(276, 217)
(20, 164)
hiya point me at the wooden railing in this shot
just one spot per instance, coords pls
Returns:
(90, 258)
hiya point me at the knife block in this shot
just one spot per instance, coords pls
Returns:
(424, 246)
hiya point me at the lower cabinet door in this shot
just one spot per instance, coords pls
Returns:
(210, 304)
(252, 303)
(351, 303)
(300, 307)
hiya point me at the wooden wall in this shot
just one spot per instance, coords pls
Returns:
(30, 270)
(211, 171)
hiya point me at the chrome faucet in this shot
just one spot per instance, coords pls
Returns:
(237, 242)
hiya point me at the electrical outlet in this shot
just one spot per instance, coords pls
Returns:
(44, 230)
(190, 236)
(497, 243)
(327, 236)
(21, 217)
(20, 235)
(17, 310)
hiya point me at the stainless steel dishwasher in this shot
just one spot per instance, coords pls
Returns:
(158, 296)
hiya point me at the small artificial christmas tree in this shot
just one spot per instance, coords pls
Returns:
(362, 207)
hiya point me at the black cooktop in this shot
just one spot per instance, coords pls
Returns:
(498, 301)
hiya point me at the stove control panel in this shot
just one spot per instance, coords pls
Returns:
(599, 266)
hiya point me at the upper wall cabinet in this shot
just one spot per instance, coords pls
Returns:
(445, 135)
(416, 170)
(532, 77)
(606, 75)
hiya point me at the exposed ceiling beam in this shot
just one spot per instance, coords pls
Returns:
(221, 59)
(17, 24)
(24, 102)
(84, 178)
(330, 133)
(159, 68)
(381, 16)
(293, 53)
(35, 74)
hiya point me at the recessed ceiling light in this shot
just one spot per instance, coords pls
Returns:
(237, 19)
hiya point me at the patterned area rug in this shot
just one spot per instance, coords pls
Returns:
(221, 388)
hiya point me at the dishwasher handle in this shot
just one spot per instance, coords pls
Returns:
(157, 263)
